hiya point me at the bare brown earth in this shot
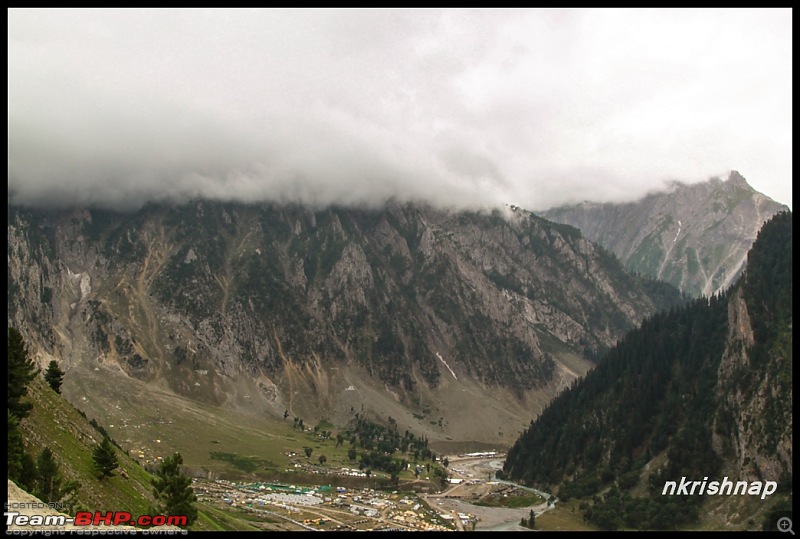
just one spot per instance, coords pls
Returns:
(463, 417)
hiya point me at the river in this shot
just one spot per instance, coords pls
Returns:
(478, 477)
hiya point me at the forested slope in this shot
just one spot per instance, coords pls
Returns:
(703, 390)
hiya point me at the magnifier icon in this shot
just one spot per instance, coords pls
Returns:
(785, 525)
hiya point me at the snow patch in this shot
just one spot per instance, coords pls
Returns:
(679, 231)
(83, 281)
(446, 365)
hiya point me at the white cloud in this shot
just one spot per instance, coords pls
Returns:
(466, 107)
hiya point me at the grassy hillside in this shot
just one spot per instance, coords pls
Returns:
(213, 444)
(56, 424)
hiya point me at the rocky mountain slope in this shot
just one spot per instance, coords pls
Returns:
(712, 383)
(693, 236)
(461, 322)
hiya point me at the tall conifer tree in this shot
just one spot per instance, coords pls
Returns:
(105, 458)
(54, 376)
(173, 490)
(21, 370)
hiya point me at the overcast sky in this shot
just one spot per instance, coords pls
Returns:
(532, 107)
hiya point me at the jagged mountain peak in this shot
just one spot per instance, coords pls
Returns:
(737, 179)
(694, 236)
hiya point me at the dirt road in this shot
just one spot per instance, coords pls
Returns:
(477, 482)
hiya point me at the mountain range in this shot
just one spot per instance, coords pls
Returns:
(461, 326)
(454, 321)
(694, 236)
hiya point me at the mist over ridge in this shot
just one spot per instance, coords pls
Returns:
(455, 107)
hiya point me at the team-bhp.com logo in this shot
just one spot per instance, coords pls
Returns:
(97, 518)
(123, 518)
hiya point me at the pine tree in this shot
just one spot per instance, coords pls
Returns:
(21, 466)
(21, 370)
(173, 490)
(15, 448)
(48, 477)
(28, 476)
(54, 376)
(105, 458)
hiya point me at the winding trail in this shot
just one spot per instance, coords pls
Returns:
(470, 470)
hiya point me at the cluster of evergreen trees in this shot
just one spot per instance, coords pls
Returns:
(656, 378)
(529, 522)
(381, 442)
(42, 475)
(387, 439)
(656, 391)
